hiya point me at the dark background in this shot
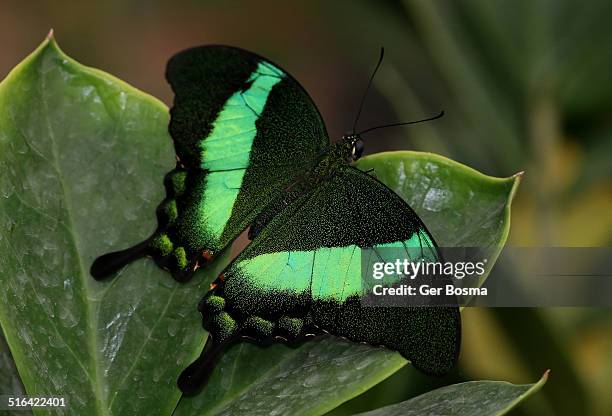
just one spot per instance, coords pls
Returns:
(525, 85)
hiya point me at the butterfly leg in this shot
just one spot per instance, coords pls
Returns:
(371, 172)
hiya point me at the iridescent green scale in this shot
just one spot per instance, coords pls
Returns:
(252, 150)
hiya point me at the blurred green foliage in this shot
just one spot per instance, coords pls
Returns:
(524, 84)
(525, 87)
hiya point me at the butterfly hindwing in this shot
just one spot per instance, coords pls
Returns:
(304, 268)
(243, 131)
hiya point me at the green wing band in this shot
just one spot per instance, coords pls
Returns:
(225, 153)
(203, 220)
(327, 273)
(229, 144)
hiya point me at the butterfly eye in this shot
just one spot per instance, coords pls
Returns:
(357, 149)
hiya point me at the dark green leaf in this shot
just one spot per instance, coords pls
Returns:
(474, 398)
(460, 206)
(82, 157)
(10, 383)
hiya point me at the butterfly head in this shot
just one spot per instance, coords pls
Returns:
(354, 144)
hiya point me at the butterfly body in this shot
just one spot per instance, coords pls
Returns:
(287, 327)
(252, 151)
(340, 155)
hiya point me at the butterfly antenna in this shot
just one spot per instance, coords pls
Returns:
(365, 94)
(402, 124)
